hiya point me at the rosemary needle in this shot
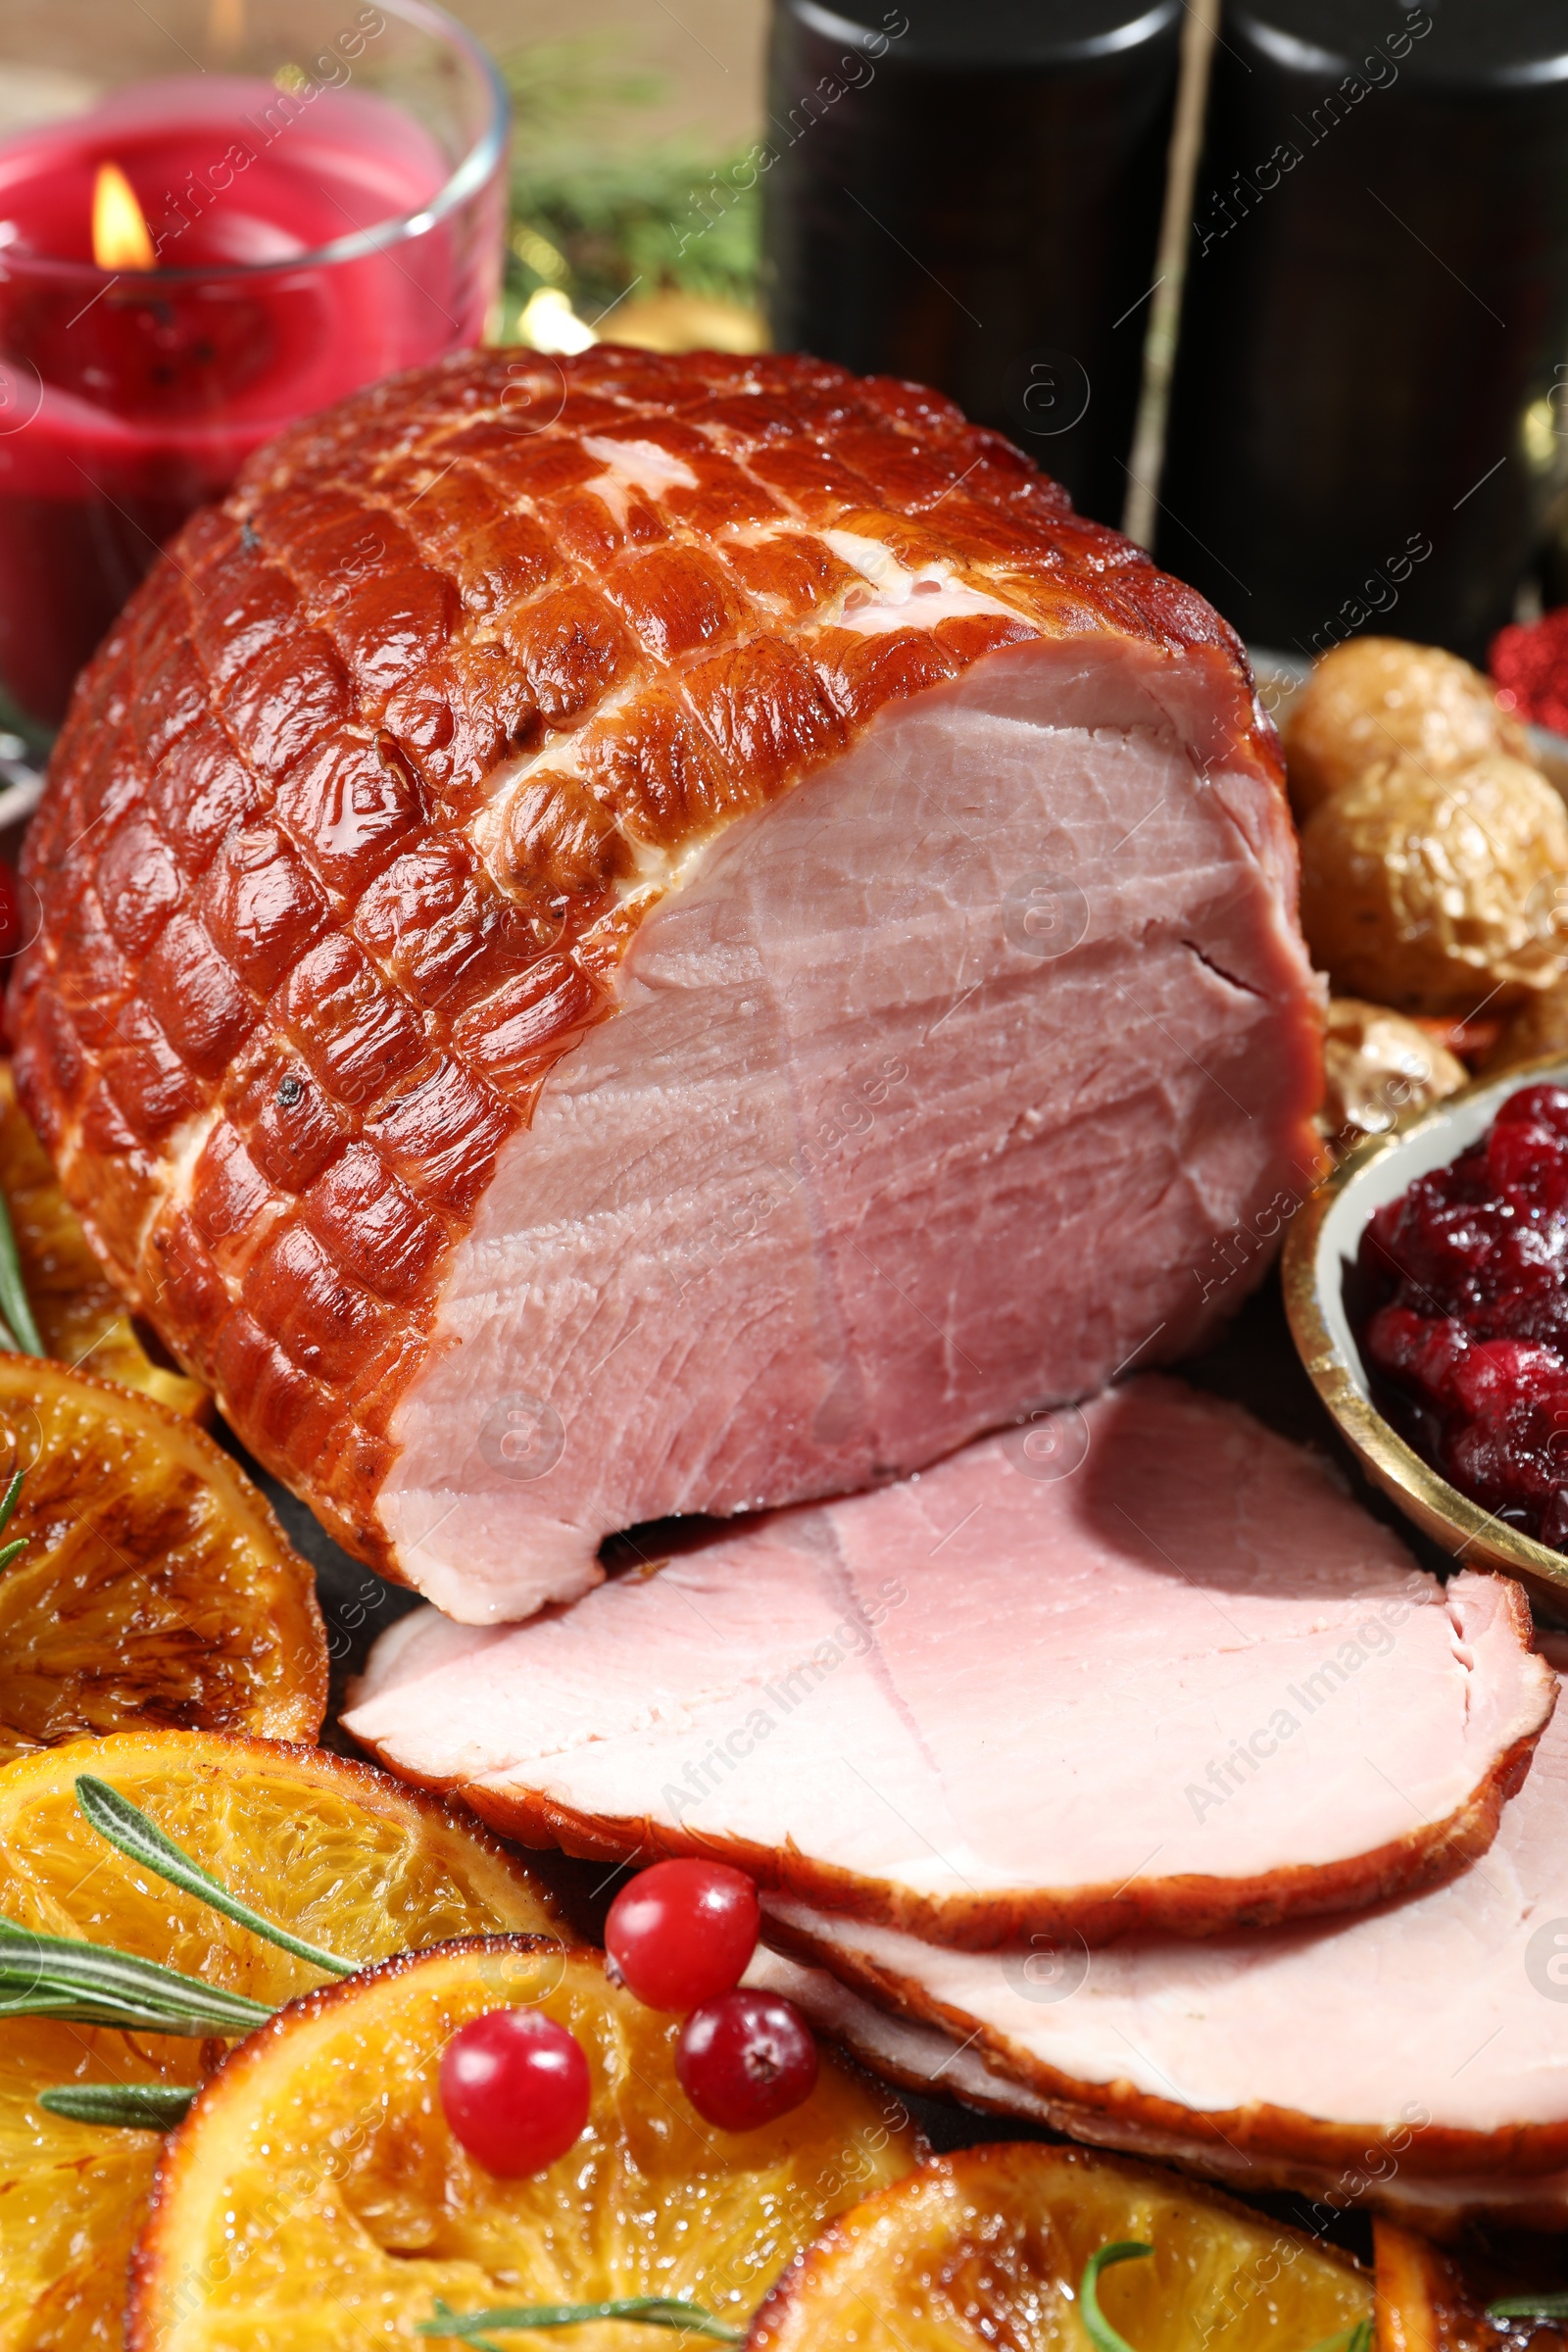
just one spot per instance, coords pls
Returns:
(128, 2106)
(1101, 2333)
(648, 2311)
(21, 1329)
(1104, 2337)
(127, 1827)
(92, 1984)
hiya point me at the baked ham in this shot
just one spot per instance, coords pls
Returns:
(646, 935)
(1424, 2039)
(1188, 1684)
(926, 2059)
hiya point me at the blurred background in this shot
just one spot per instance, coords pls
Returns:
(1279, 286)
(624, 109)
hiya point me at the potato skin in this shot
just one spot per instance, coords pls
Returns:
(1438, 893)
(1378, 1064)
(1373, 699)
(1538, 1028)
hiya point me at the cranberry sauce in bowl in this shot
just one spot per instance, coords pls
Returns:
(1463, 1315)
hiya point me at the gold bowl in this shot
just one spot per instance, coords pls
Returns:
(1321, 1251)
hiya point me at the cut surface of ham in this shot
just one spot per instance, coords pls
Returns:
(1436, 2026)
(922, 2058)
(1188, 1682)
(649, 935)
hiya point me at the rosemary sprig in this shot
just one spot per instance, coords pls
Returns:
(125, 1826)
(649, 2310)
(20, 1332)
(92, 1984)
(1529, 2307)
(1350, 2339)
(8, 1504)
(1101, 2334)
(1104, 2337)
(129, 2106)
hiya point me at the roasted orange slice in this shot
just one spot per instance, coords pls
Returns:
(80, 1316)
(1430, 2300)
(155, 1588)
(339, 1853)
(317, 2198)
(989, 2248)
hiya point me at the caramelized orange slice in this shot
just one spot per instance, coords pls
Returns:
(81, 1318)
(155, 1586)
(1429, 2301)
(988, 2248)
(338, 1852)
(319, 2199)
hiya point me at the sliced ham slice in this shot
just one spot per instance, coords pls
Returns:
(1429, 2033)
(923, 2058)
(1188, 1682)
(648, 935)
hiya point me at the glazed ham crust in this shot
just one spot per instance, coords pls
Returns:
(361, 803)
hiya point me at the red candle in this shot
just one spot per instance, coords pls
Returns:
(290, 262)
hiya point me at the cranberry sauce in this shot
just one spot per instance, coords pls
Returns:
(1464, 1315)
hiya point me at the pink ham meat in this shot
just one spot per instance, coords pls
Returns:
(924, 2058)
(660, 934)
(856, 1172)
(1425, 2040)
(1188, 1682)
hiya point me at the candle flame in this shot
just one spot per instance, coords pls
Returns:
(119, 235)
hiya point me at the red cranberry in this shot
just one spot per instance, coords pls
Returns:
(683, 1932)
(1418, 1348)
(1465, 1329)
(1529, 1166)
(746, 2059)
(515, 2089)
(1536, 1105)
(1500, 1375)
(1526, 1259)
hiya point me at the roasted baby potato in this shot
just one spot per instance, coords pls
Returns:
(1375, 698)
(1538, 1027)
(1438, 893)
(1377, 1065)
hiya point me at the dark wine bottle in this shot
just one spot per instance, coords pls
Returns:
(968, 193)
(1370, 402)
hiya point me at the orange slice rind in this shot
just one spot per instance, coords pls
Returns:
(989, 2247)
(335, 1850)
(1430, 2299)
(154, 1584)
(81, 1318)
(319, 2199)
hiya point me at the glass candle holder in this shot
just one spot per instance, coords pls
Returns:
(316, 199)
